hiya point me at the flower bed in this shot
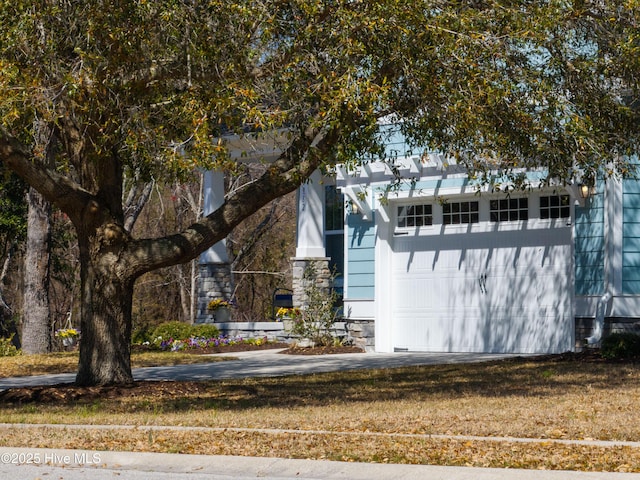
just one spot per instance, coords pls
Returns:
(217, 344)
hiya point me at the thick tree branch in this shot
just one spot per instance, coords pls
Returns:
(292, 168)
(57, 189)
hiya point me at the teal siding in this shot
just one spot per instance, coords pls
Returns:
(395, 142)
(630, 229)
(361, 242)
(455, 182)
(631, 236)
(631, 187)
(589, 246)
(441, 183)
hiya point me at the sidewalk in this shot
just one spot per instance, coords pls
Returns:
(71, 465)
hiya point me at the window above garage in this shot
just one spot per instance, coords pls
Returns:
(555, 206)
(455, 213)
(509, 209)
(415, 215)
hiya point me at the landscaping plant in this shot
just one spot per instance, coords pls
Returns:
(316, 318)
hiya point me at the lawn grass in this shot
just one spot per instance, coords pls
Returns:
(389, 415)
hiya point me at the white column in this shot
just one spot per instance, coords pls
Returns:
(310, 227)
(215, 279)
(213, 199)
(383, 321)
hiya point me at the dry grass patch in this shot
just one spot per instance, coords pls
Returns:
(67, 362)
(363, 415)
(359, 447)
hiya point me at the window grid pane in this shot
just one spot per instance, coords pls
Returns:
(509, 210)
(555, 206)
(415, 216)
(460, 212)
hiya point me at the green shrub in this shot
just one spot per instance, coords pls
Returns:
(205, 330)
(7, 348)
(621, 345)
(176, 330)
(142, 333)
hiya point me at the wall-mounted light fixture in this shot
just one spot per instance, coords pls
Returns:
(356, 202)
(587, 191)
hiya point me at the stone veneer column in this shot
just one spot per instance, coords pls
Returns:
(322, 278)
(216, 279)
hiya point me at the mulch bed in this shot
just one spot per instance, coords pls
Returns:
(66, 392)
(327, 350)
(287, 349)
(240, 347)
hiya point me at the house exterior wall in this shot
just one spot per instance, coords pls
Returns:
(611, 229)
(631, 237)
(437, 182)
(360, 258)
(596, 248)
(589, 246)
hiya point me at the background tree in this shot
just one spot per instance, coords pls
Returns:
(261, 249)
(36, 320)
(154, 87)
(169, 293)
(12, 233)
(36, 325)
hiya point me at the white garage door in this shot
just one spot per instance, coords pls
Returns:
(507, 292)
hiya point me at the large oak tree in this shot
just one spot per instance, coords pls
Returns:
(140, 89)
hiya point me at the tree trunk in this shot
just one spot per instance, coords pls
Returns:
(184, 282)
(36, 327)
(193, 287)
(7, 325)
(105, 325)
(111, 260)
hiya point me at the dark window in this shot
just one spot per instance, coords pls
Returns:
(334, 209)
(415, 216)
(509, 209)
(460, 212)
(555, 206)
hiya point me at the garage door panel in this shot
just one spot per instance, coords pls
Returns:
(417, 291)
(475, 333)
(450, 296)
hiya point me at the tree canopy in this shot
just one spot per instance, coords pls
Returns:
(550, 84)
(115, 90)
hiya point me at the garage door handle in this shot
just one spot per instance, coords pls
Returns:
(482, 281)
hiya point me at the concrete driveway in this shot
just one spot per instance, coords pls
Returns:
(270, 363)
